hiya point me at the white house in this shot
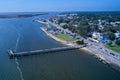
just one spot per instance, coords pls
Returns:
(117, 35)
(63, 24)
(96, 35)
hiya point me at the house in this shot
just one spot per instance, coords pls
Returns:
(113, 23)
(117, 22)
(63, 24)
(96, 36)
(100, 27)
(117, 35)
(75, 25)
(104, 38)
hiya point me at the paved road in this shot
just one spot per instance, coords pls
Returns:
(99, 50)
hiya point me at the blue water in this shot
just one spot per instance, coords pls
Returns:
(22, 34)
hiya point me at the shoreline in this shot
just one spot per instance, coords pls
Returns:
(56, 39)
(106, 59)
(41, 22)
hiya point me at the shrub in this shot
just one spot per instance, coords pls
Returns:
(80, 42)
(118, 42)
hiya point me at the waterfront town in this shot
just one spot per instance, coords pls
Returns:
(59, 39)
(100, 32)
(99, 27)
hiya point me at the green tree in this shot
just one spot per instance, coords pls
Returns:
(110, 43)
(80, 42)
(111, 36)
(83, 30)
(118, 42)
(113, 29)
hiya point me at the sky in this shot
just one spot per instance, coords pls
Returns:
(58, 5)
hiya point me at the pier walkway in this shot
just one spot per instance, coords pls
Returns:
(28, 53)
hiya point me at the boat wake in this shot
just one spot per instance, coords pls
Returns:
(16, 60)
(17, 43)
(19, 69)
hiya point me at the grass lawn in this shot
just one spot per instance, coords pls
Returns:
(115, 48)
(65, 37)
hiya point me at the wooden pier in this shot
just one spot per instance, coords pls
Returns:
(28, 53)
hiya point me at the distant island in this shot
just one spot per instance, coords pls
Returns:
(21, 15)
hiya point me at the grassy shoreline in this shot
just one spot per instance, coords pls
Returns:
(115, 48)
(65, 37)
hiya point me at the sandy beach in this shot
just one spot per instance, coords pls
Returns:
(57, 39)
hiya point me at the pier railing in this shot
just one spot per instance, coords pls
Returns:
(35, 52)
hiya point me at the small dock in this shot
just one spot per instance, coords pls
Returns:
(51, 50)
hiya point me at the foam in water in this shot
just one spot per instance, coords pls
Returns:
(18, 67)
(16, 60)
(17, 42)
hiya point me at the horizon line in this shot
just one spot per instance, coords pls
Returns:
(54, 11)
